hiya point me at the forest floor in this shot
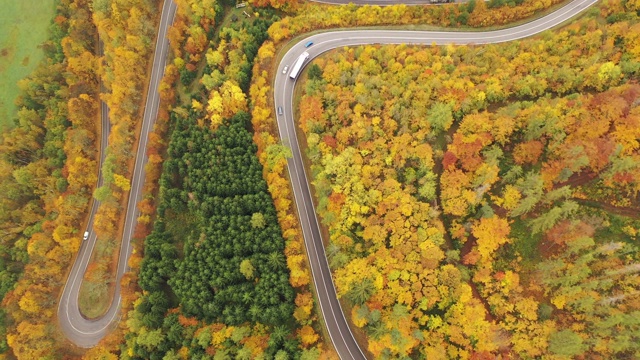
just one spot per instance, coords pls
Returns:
(24, 27)
(631, 212)
(584, 178)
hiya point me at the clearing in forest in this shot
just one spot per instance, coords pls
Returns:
(23, 27)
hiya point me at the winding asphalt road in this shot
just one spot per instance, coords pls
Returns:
(84, 332)
(87, 333)
(337, 326)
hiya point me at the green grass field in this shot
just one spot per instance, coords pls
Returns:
(23, 27)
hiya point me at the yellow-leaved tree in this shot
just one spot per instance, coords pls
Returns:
(225, 102)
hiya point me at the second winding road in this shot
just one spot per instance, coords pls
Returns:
(283, 90)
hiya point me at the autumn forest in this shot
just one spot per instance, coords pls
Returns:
(487, 204)
(476, 202)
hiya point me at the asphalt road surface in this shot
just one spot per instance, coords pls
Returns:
(337, 326)
(87, 333)
(79, 330)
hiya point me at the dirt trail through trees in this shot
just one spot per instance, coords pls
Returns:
(631, 212)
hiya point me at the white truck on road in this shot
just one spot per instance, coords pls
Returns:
(298, 65)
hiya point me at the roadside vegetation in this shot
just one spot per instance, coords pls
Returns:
(24, 27)
(48, 170)
(312, 16)
(483, 201)
(215, 277)
(127, 30)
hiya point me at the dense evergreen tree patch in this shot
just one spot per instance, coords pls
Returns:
(231, 268)
(222, 179)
